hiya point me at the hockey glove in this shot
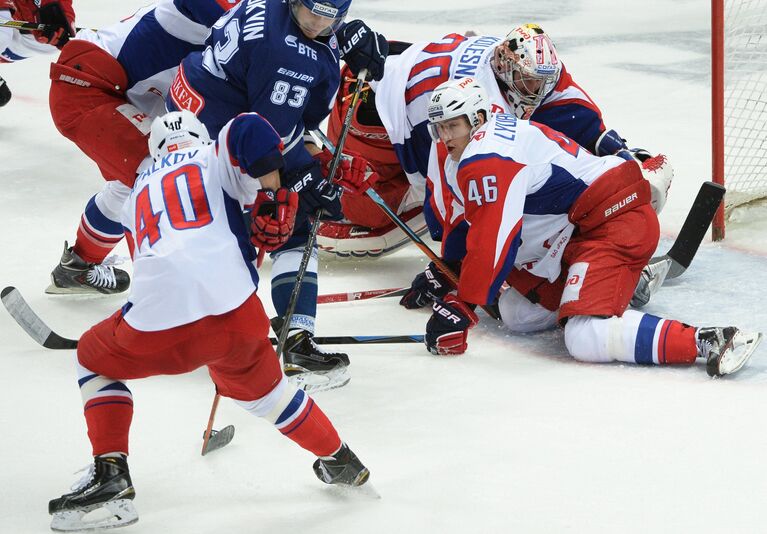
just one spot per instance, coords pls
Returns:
(60, 17)
(362, 48)
(351, 173)
(315, 192)
(273, 218)
(658, 172)
(426, 286)
(449, 326)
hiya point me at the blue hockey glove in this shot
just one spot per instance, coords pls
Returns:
(315, 191)
(608, 143)
(449, 326)
(426, 286)
(362, 48)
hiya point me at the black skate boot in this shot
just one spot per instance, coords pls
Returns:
(726, 349)
(308, 366)
(73, 275)
(5, 92)
(106, 489)
(342, 468)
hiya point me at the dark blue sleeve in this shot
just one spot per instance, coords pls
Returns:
(579, 123)
(321, 100)
(204, 12)
(254, 145)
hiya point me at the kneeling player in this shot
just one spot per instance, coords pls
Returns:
(578, 228)
(193, 302)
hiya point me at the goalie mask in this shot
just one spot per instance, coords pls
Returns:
(175, 131)
(526, 62)
(323, 18)
(456, 98)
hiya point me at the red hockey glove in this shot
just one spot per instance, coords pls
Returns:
(352, 171)
(449, 326)
(274, 215)
(61, 17)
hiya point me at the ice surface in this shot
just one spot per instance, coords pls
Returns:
(512, 437)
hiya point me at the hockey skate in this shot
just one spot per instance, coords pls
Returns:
(342, 468)
(73, 275)
(309, 367)
(726, 349)
(5, 92)
(101, 499)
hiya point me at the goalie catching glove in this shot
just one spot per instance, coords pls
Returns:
(449, 326)
(273, 216)
(351, 172)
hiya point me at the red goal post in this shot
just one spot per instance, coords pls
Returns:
(738, 103)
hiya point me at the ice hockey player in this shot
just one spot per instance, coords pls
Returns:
(16, 45)
(281, 60)
(523, 74)
(570, 232)
(105, 89)
(189, 244)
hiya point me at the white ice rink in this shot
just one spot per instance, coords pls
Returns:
(513, 436)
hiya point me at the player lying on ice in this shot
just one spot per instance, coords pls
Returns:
(570, 232)
(193, 302)
(15, 45)
(523, 76)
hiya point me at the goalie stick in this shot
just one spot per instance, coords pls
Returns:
(679, 257)
(33, 325)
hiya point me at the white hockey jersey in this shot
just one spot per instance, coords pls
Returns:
(183, 222)
(516, 182)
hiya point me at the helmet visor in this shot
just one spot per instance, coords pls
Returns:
(316, 19)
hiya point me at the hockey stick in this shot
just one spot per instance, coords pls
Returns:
(215, 439)
(33, 325)
(694, 229)
(361, 295)
(680, 255)
(308, 249)
(31, 26)
(375, 197)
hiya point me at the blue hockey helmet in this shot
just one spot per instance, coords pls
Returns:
(333, 10)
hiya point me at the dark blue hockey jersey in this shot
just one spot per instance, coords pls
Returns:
(257, 59)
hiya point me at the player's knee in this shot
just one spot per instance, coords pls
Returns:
(273, 404)
(592, 339)
(521, 316)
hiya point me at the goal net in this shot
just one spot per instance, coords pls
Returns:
(745, 101)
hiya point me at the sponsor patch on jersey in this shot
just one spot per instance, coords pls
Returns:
(140, 120)
(575, 277)
(184, 96)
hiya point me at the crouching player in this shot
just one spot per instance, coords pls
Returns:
(577, 228)
(192, 303)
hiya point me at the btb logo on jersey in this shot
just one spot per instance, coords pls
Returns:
(301, 48)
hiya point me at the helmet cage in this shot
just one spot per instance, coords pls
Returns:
(527, 63)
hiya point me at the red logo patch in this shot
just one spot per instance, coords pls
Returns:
(184, 96)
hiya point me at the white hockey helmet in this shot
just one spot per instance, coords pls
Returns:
(456, 98)
(526, 61)
(174, 131)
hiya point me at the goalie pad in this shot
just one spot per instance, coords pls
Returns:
(346, 240)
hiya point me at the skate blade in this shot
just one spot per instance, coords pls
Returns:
(743, 346)
(314, 382)
(111, 514)
(56, 290)
(344, 490)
